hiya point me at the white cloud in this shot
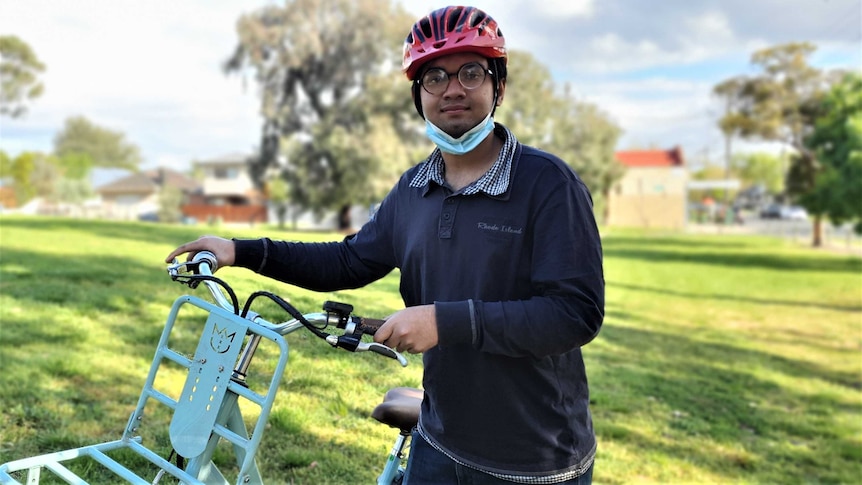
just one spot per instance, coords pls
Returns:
(566, 8)
(149, 69)
(152, 69)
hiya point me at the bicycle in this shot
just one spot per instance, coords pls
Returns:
(207, 410)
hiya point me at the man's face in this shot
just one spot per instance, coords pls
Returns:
(457, 109)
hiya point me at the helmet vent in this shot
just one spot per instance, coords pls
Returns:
(477, 18)
(425, 25)
(453, 24)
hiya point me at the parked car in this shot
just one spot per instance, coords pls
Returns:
(772, 211)
(794, 212)
(788, 212)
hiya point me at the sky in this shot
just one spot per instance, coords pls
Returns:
(152, 69)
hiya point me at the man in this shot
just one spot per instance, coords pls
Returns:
(501, 274)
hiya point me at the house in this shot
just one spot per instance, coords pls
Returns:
(8, 199)
(652, 193)
(137, 195)
(228, 194)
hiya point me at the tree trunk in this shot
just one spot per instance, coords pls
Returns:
(817, 231)
(344, 220)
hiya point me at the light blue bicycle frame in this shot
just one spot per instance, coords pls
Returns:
(207, 410)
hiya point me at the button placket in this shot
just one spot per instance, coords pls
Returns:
(447, 218)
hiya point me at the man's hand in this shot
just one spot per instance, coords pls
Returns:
(413, 330)
(223, 249)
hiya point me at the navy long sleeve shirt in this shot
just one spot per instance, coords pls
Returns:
(517, 283)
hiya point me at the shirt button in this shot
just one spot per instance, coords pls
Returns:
(447, 216)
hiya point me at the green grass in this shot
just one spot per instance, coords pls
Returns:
(723, 359)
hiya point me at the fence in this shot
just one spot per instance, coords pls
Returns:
(248, 214)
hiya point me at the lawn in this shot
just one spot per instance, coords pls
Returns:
(723, 359)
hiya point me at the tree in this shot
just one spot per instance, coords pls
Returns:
(781, 105)
(105, 148)
(36, 174)
(837, 143)
(19, 76)
(313, 61)
(5, 165)
(579, 133)
(277, 193)
(730, 90)
(586, 138)
(75, 166)
(44, 177)
(21, 172)
(760, 168)
(170, 202)
(528, 107)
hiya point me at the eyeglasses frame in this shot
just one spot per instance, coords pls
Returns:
(485, 70)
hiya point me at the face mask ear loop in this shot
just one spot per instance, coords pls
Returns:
(496, 88)
(417, 98)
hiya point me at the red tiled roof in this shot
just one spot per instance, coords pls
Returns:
(652, 158)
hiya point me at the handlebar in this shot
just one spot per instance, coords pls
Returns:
(200, 268)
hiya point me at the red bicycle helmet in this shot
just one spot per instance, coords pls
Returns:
(450, 30)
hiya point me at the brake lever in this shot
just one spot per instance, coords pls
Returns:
(353, 344)
(181, 273)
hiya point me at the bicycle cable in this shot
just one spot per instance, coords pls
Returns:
(194, 280)
(287, 307)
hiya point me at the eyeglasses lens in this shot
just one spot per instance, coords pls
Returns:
(471, 76)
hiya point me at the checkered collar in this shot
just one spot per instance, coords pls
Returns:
(494, 182)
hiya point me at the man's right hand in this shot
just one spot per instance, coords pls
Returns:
(223, 249)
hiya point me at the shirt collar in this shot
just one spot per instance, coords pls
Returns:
(494, 182)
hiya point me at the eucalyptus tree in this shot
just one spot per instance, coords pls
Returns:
(317, 63)
(584, 136)
(781, 104)
(544, 115)
(82, 142)
(528, 106)
(19, 76)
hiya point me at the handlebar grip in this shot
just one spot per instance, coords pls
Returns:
(368, 326)
(205, 257)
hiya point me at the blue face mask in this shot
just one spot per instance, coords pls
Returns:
(463, 144)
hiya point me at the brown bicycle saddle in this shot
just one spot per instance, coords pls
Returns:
(400, 408)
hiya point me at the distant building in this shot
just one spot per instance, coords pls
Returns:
(137, 196)
(652, 193)
(228, 194)
(8, 199)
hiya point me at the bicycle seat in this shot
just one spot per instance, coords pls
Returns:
(400, 408)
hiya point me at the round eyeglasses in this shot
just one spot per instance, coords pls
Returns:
(470, 75)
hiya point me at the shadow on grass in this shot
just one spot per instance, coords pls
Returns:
(720, 252)
(59, 299)
(734, 298)
(726, 409)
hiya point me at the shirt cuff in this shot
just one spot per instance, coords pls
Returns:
(456, 322)
(250, 254)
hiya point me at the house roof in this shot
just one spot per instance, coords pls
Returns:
(652, 158)
(149, 181)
